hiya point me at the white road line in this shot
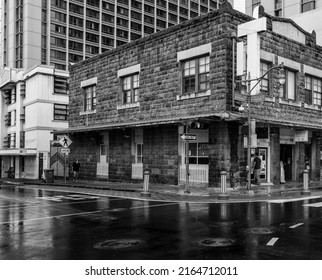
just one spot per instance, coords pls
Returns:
(50, 217)
(296, 225)
(318, 204)
(272, 241)
(293, 199)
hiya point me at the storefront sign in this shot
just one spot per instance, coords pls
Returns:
(302, 136)
(287, 136)
(284, 139)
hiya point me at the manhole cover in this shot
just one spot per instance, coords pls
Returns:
(118, 209)
(119, 244)
(221, 224)
(259, 230)
(215, 242)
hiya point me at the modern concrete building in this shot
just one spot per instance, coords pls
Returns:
(32, 104)
(57, 32)
(132, 109)
(39, 38)
(306, 13)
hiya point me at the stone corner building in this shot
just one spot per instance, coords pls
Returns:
(130, 106)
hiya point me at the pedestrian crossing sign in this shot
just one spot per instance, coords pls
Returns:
(65, 141)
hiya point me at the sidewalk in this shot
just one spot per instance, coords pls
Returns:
(177, 193)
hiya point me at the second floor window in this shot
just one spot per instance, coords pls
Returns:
(60, 112)
(288, 90)
(12, 140)
(90, 98)
(196, 75)
(130, 88)
(61, 85)
(307, 5)
(278, 8)
(313, 90)
(264, 84)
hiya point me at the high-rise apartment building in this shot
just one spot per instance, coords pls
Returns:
(306, 13)
(56, 32)
(39, 39)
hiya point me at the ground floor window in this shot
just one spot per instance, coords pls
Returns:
(198, 153)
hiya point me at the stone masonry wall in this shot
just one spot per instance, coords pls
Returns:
(160, 153)
(85, 149)
(120, 160)
(160, 81)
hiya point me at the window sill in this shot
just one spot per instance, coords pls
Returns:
(84, 113)
(128, 106)
(290, 102)
(312, 107)
(61, 93)
(193, 95)
(65, 121)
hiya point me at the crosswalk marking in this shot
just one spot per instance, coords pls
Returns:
(318, 204)
(296, 225)
(272, 241)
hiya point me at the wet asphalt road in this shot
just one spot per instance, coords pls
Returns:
(43, 224)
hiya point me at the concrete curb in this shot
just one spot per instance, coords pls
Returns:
(232, 195)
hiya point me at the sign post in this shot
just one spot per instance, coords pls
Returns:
(187, 137)
(65, 142)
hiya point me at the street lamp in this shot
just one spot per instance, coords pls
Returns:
(281, 80)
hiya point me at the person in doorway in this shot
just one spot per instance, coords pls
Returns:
(76, 167)
(257, 169)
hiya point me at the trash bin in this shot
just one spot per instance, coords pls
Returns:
(49, 175)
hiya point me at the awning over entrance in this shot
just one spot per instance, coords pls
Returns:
(296, 124)
(224, 115)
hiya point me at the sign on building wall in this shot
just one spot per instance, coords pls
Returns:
(302, 136)
(287, 136)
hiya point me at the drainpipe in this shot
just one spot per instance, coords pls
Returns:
(233, 36)
(187, 190)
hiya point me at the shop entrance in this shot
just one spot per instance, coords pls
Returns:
(286, 158)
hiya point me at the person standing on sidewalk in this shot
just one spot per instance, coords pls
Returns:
(76, 167)
(257, 169)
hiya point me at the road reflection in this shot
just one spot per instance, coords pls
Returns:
(44, 224)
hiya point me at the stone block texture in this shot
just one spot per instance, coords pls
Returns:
(160, 110)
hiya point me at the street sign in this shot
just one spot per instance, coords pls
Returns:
(258, 98)
(65, 151)
(65, 141)
(240, 97)
(187, 136)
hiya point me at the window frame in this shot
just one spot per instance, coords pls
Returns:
(12, 141)
(267, 78)
(130, 92)
(307, 5)
(90, 98)
(311, 95)
(65, 114)
(284, 90)
(197, 158)
(138, 152)
(194, 65)
(61, 85)
(133, 91)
